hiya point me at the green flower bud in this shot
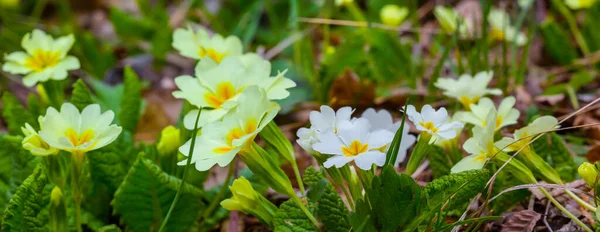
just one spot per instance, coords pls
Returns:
(246, 200)
(343, 2)
(170, 140)
(392, 15)
(589, 173)
(56, 196)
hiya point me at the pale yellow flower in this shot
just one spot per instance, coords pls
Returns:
(44, 58)
(200, 45)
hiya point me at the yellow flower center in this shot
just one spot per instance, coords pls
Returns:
(497, 34)
(467, 101)
(429, 126)
(236, 133)
(224, 92)
(480, 158)
(498, 121)
(355, 148)
(41, 60)
(79, 139)
(212, 53)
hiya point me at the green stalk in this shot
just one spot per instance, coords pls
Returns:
(580, 201)
(572, 25)
(220, 194)
(185, 172)
(356, 12)
(76, 168)
(419, 153)
(565, 211)
(305, 210)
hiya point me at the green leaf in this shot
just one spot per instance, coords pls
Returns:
(129, 27)
(16, 163)
(580, 79)
(590, 27)
(361, 219)
(15, 115)
(556, 152)
(146, 194)
(33, 105)
(131, 101)
(290, 218)
(557, 43)
(330, 207)
(96, 57)
(23, 212)
(439, 161)
(81, 96)
(392, 194)
(457, 188)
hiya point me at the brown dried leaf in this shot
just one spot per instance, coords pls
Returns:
(349, 90)
(587, 119)
(521, 221)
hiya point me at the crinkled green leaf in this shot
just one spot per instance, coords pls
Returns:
(110, 164)
(439, 161)
(331, 209)
(15, 115)
(146, 194)
(81, 96)
(131, 101)
(458, 188)
(16, 163)
(24, 209)
(290, 218)
(553, 148)
(392, 194)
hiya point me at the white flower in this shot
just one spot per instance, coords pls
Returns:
(433, 122)
(450, 21)
(222, 140)
(329, 120)
(502, 30)
(325, 120)
(382, 120)
(35, 144)
(580, 4)
(218, 86)
(200, 45)
(524, 135)
(507, 115)
(354, 142)
(306, 138)
(480, 146)
(76, 132)
(467, 89)
(393, 15)
(44, 58)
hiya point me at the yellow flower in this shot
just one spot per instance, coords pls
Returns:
(502, 30)
(450, 21)
(589, 173)
(76, 132)
(524, 135)
(393, 15)
(246, 200)
(217, 87)
(200, 45)
(170, 140)
(35, 144)
(580, 4)
(222, 140)
(44, 58)
(468, 89)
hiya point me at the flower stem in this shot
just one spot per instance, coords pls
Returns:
(298, 176)
(220, 194)
(305, 210)
(185, 172)
(580, 201)
(565, 211)
(76, 169)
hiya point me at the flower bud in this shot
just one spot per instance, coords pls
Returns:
(343, 2)
(392, 15)
(246, 200)
(170, 140)
(56, 196)
(589, 173)
(35, 144)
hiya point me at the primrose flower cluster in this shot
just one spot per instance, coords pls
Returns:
(500, 28)
(232, 90)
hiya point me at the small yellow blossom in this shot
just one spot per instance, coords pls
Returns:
(170, 140)
(44, 58)
(200, 45)
(35, 144)
(393, 15)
